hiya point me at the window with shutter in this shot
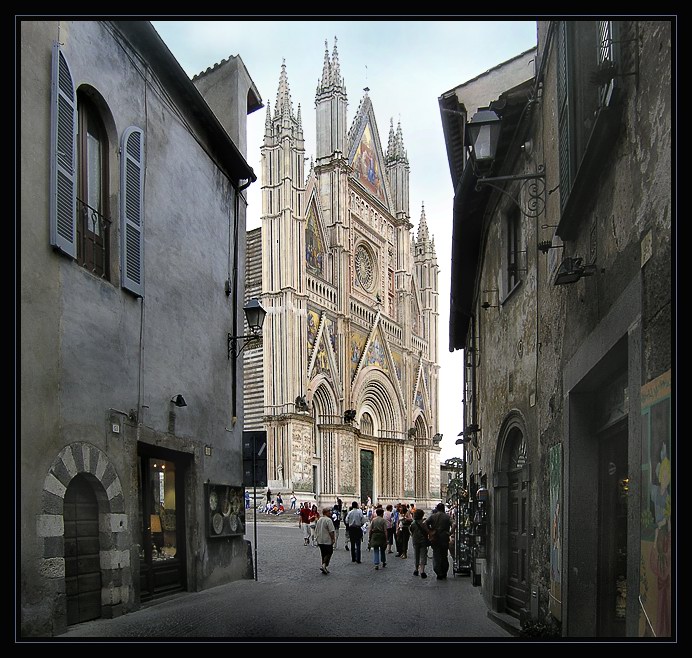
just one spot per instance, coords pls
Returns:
(132, 210)
(63, 191)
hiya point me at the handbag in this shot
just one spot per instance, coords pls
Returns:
(432, 536)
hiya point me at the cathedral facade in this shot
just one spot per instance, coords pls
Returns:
(350, 372)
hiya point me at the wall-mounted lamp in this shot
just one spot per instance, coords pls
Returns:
(571, 270)
(482, 137)
(486, 304)
(301, 403)
(254, 314)
(437, 438)
(179, 401)
(349, 415)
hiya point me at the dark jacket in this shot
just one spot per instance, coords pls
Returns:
(442, 524)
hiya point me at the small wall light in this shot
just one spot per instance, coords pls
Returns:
(179, 401)
(571, 270)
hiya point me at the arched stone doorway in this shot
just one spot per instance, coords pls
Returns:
(82, 482)
(512, 520)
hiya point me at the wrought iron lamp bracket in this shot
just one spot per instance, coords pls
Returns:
(533, 183)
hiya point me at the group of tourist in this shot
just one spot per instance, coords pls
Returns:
(381, 529)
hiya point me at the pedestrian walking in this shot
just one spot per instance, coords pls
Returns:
(293, 500)
(419, 539)
(377, 539)
(336, 520)
(354, 527)
(326, 538)
(441, 525)
(304, 522)
(389, 522)
(314, 516)
(247, 499)
(405, 521)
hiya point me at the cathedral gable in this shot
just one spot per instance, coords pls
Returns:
(421, 393)
(375, 352)
(366, 156)
(416, 314)
(315, 243)
(322, 348)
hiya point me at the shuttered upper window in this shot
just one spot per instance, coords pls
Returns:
(587, 58)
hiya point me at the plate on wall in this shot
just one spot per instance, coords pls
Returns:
(217, 523)
(235, 523)
(213, 501)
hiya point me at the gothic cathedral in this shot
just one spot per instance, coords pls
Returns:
(351, 332)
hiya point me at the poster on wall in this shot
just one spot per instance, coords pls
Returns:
(555, 466)
(656, 522)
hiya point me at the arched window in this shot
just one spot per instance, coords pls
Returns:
(93, 222)
(366, 424)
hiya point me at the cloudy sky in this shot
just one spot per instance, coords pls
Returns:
(407, 65)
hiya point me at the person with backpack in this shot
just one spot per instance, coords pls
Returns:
(336, 519)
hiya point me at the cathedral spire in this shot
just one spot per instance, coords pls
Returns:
(268, 121)
(390, 155)
(423, 234)
(335, 72)
(325, 67)
(284, 107)
(400, 150)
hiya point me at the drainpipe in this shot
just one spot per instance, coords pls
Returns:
(234, 373)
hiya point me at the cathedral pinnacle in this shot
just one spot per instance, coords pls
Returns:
(390, 156)
(325, 67)
(336, 72)
(400, 150)
(331, 71)
(423, 226)
(284, 106)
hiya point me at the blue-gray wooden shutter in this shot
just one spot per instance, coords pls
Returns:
(63, 171)
(132, 210)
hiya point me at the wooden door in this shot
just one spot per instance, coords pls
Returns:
(82, 564)
(518, 549)
(612, 533)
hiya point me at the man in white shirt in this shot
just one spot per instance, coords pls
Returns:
(354, 525)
